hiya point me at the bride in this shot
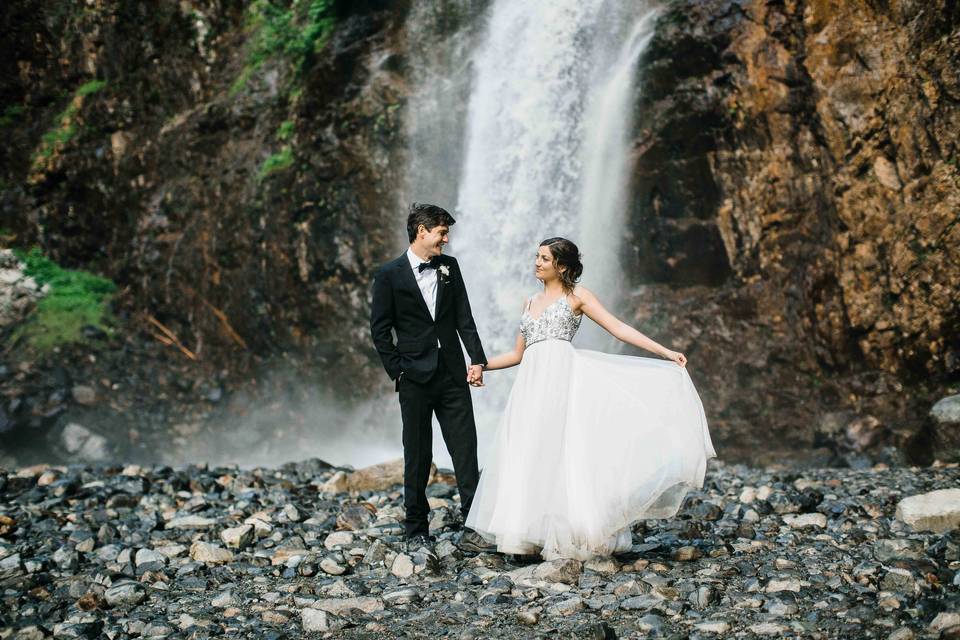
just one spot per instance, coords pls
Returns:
(589, 442)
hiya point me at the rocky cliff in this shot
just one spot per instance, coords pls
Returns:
(797, 189)
(234, 166)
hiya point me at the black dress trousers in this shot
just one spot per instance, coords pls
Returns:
(451, 401)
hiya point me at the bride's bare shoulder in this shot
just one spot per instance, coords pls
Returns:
(581, 294)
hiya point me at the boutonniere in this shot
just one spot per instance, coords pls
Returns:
(444, 272)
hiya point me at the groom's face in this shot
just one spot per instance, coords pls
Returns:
(433, 240)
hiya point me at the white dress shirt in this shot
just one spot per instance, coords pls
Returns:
(427, 281)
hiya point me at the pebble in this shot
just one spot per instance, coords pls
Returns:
(713, 626)
(238, 537)
(332, 567)
(703, 574)
(337, 539)
(190, 522)
(936, 511)
(210, 553)
(402, 566)
(566, 607)
(805, 521)
(126, 593)
(314, 620)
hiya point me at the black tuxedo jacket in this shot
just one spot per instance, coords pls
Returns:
(398, 305)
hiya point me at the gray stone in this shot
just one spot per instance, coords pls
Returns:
(209, 553)
(66, 558)
(402, 566)
(805, 521)
(784, 584)
(338, 539)
(687, 553)
(713, 626)
(401, 596)
(936, 511)
(190, 522)
(223, 600)
(528, 616)
(314, 620)
(780, 608)
(887, 550)
(945, 620)
(342, 606)
(124, 593)
(148, 556)
(702, 597)
(650, 623)
(84, 444)
(291, 512)
(899, 580)
(642, 603)
(565, 571)
(566, 607)
(157, 630)
(331, 567)
(946, 411)
(768, 629)
(237, 537)
(84, 394)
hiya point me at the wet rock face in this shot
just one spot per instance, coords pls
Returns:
(222, 552)
(796, 177)
(19, 293)
(812, 146)
(161, 183)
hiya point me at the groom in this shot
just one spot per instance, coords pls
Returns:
(420, 296)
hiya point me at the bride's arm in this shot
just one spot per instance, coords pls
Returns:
(508, 359)
(589, 305)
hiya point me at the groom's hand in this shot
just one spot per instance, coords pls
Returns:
(475, 375)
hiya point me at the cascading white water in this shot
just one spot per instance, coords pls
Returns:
(548, 130)
(541, 150)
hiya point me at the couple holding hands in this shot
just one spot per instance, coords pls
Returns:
(588, 443)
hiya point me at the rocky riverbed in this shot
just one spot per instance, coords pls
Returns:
(308, 549)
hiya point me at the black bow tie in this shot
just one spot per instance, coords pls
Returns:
(433, 264)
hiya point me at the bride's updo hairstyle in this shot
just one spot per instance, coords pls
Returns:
(566, 257)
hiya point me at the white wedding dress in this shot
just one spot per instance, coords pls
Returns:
(588, 444)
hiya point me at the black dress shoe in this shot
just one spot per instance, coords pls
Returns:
(473, 542)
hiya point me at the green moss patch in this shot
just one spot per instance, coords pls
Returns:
(294, 30)
(65, 129)
(276, 162)
(76, 299)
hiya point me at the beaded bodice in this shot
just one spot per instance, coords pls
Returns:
(556, 321)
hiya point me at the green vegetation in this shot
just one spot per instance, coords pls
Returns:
(11, 115)
(292, 29)
(276, 162)
(285, 130)
(76, 299)
(91, 87)
(65, 128)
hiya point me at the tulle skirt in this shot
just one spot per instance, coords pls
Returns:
(588, 444)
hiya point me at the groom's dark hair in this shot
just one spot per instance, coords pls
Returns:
(428, 215)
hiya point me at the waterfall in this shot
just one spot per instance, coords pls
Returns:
(547, 143)
(520, 125)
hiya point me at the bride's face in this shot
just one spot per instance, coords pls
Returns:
(545, 268)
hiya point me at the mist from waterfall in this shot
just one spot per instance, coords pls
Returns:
(519, 123)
